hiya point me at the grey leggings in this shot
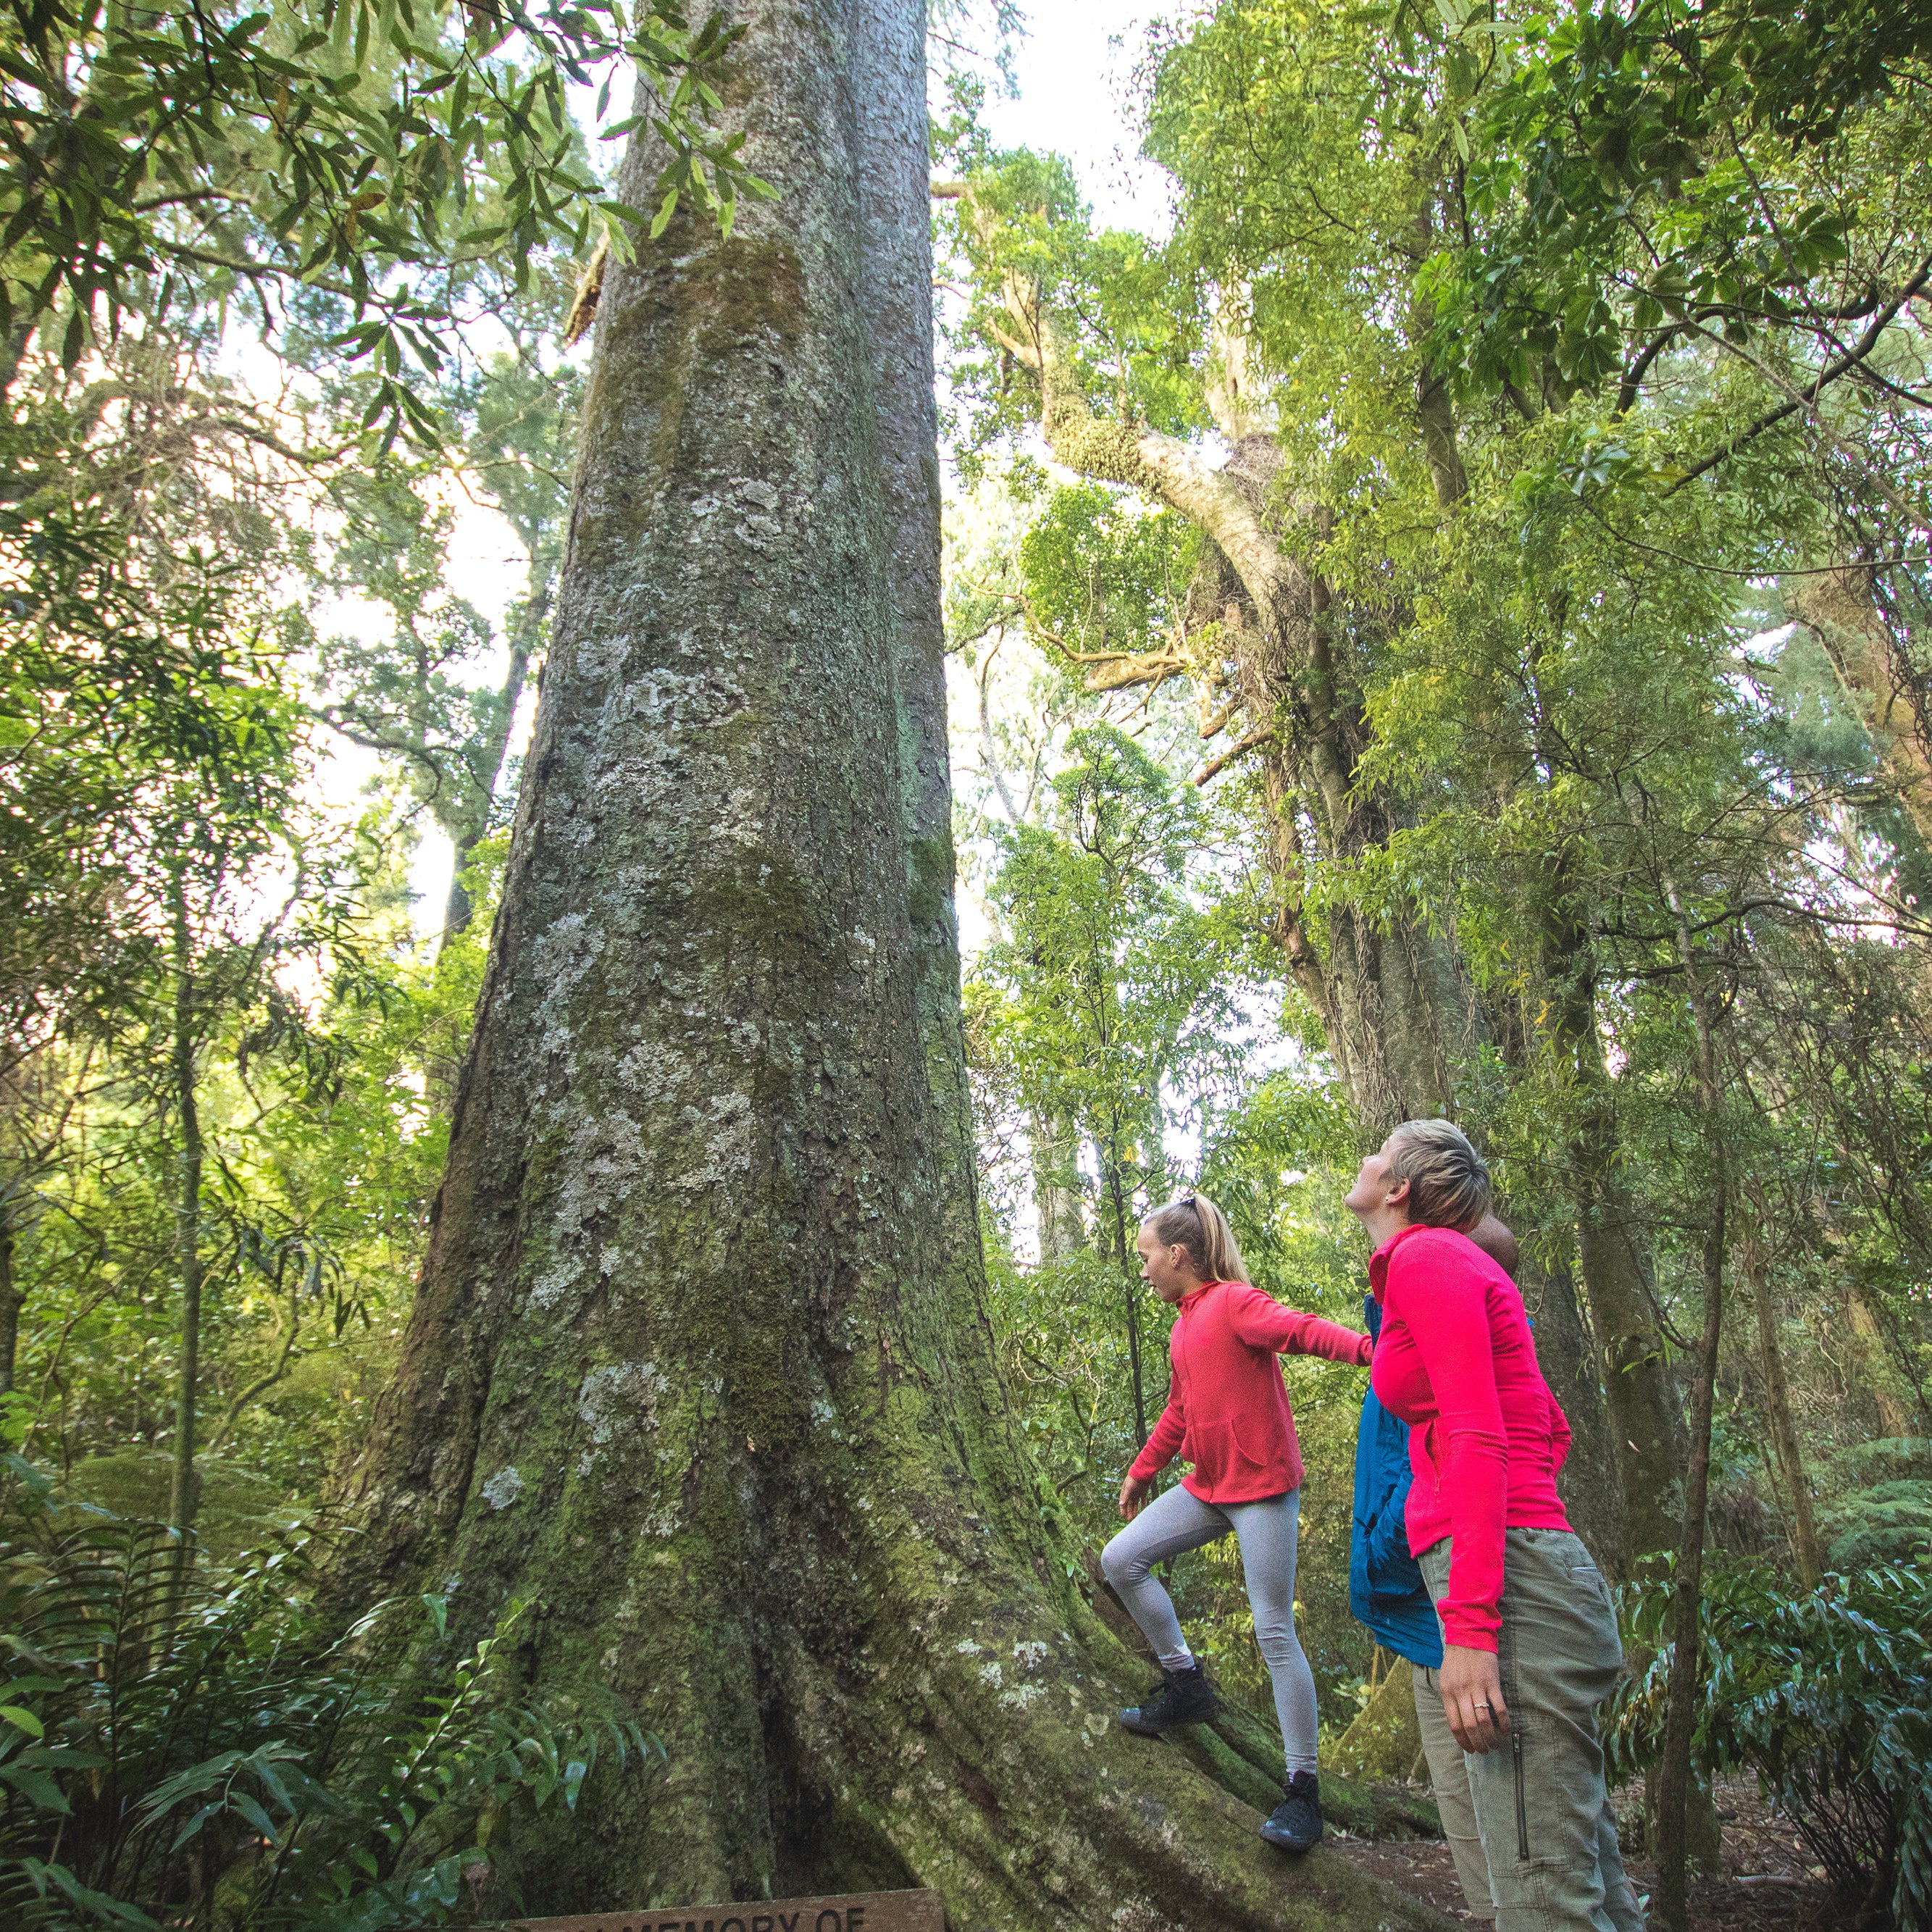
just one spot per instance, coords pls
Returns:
(1179, 1521)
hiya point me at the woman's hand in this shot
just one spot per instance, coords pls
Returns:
(1472, 1697)
(1134, 1494)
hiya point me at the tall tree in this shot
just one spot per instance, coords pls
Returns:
(699, 1357)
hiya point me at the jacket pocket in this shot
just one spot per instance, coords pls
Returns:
(1222, 1459)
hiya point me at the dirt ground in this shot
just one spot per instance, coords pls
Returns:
(1769, 1883)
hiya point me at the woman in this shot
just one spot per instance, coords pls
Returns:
(1529, 1639)
(1227, 1413)
(1387, 1593)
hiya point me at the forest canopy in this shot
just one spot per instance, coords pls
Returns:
(1441, 625)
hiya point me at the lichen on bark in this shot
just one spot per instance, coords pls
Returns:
(701, 1363)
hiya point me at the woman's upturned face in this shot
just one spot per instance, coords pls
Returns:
(1166, 1267)
(1369, 1198)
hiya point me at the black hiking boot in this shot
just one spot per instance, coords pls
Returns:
(1295, 1823)
(1180, 1697)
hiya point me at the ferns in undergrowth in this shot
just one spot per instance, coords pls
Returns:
(1875, 1503)
(1826, 1696)
(195, 1751)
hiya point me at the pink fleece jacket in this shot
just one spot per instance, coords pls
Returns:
(1227, 1411)
(1456, 1362)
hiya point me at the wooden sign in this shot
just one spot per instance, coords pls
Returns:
(861, 1912)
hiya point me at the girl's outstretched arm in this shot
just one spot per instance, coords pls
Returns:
(1262, 1322)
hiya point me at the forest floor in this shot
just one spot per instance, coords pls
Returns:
(1768, 1885)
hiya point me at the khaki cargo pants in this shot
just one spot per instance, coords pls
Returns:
(1543, 1815)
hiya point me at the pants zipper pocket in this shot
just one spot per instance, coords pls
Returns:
(1521, 1806)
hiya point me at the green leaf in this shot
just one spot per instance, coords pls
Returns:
(34, 1786)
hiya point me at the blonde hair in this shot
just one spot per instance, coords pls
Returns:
(1448, 1179)
(1192, 1222)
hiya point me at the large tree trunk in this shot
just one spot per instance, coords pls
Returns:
(700, 1361)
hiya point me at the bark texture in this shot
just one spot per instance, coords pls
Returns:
(700, 1361)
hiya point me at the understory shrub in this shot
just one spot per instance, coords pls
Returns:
(1875, 1503)
(197, 1750)
(1826, 1697)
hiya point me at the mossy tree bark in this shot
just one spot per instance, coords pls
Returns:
(700, 1362)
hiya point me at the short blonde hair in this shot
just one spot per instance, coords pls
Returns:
(1192, 1222)
(1448, 1179)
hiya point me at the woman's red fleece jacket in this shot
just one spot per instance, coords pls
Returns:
(1486, 1437)
(1227, 1410)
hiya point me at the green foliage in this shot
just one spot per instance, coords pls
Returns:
(1112, 983)
(1640, 181)
(140, 722)
(371, 150)
(315, 1203)
(221, 1760)
(1025, 219)
(1876, 1504)
(1098, 576)
(1063, 1349)
(1826, 1698)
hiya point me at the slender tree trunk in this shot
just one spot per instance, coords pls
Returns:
(700, 1360)
(184, 1489)
(1056, 1197)
(1639, 1389)
(1675, 1779)
(1130, 1290)
(1755, 1260)
(11, 1295)
(1894, 1419)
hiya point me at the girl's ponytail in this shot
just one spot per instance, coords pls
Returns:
(1192, 1222)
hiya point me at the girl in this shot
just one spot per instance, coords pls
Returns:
(1529, 1639)
(1227, 1414)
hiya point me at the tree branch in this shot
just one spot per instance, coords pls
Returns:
(1806, 398)
(1215, 766)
